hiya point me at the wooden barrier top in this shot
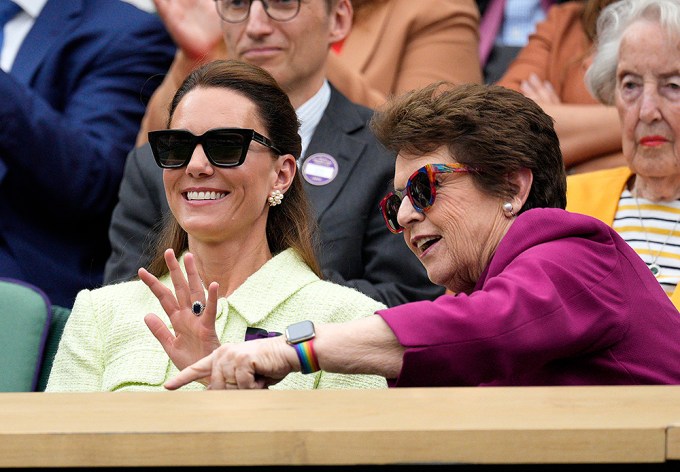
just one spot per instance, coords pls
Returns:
(494, 425)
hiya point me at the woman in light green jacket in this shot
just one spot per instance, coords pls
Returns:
(242, 228)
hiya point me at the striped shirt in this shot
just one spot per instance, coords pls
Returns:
(652, 229)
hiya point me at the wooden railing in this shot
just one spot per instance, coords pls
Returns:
(516, 425)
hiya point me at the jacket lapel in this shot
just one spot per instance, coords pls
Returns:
(57, 19)
(333, 137)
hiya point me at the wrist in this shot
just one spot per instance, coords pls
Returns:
(307, 357)
(301, 337)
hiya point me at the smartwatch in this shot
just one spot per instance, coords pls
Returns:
(301, 336)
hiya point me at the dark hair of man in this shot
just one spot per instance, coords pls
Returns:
(290, 224)
(488, 127)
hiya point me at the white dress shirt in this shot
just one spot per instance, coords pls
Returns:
(16, 30)
(310, 113)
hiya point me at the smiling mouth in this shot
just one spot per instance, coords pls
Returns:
(425, 243)
(204, 195)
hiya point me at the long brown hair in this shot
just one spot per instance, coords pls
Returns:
(290, 224)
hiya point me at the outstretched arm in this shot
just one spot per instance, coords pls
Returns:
(364, 346)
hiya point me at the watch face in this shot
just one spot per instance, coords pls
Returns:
(299, 332)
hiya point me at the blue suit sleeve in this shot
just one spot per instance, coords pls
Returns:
(65, 136)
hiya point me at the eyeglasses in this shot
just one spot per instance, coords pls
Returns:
(421, 189)
(236, 11)
(224, 147)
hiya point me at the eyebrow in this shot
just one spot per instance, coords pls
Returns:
(668, 75)
(398, 190)
(663, 76)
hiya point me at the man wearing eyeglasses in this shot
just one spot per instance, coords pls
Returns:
(346, 172)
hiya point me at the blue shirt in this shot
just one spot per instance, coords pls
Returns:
(519, 21)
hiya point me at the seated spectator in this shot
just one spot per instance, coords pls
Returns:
(242, 225)
(400, 45)
(545, 296)
(504, 30)
(75, 76)
(346, 171)
(550, 70)
(393, 46)
(637, 70)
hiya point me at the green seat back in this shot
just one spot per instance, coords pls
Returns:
(60, 315)
(25, 314)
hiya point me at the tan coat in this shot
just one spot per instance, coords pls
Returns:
(559, 52)
(400, 45)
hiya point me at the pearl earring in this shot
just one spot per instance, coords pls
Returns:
(275, 198)
(507, 208)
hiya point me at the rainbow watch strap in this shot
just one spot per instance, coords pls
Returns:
(308, 361)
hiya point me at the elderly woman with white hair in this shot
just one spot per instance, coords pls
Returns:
(637, 69)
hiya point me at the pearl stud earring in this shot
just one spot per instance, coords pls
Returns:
(275, 198)
(507, 208)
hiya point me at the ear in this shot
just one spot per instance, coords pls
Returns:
(523, 179)
(340, 19)
(285, 171)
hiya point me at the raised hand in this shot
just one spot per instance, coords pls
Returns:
(195, 26)
(194, 334)
(196, 29)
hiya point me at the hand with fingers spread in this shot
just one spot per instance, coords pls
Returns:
(194, 333)
(253, 364)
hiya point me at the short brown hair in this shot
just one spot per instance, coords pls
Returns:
(488, 127)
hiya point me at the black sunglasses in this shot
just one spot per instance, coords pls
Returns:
(224, 147)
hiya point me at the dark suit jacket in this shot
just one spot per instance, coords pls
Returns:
(357, 249)
(70, 109)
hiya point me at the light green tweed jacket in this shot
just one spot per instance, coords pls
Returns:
(106, 345)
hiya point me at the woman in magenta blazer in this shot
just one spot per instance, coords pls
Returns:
(543, 296)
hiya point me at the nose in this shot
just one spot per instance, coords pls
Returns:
(649, 104)
(258, 20)
(199, 165)
(407, 214)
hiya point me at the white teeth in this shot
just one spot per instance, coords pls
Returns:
(204, 195)
(423, 241)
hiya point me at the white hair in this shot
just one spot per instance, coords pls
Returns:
(600, 78)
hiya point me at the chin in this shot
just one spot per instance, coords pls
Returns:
(438, 278)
